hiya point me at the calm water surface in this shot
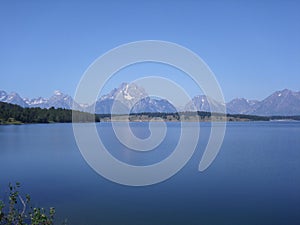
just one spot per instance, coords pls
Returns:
(255, 179)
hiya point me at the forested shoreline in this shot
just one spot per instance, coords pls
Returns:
(15, 114)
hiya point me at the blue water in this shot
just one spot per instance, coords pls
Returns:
(255, 179)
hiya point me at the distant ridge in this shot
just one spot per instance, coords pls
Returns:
(130, 97)
(284, 103)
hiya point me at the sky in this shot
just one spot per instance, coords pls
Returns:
(253, 47)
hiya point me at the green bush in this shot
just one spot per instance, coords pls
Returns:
(16, 210)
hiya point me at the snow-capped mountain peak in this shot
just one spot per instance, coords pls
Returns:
(3, 95)
(57, 100)
(13, 98)
(133, 98)
(204, 103)
(57, 92)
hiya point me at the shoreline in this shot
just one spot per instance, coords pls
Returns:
(17, 123)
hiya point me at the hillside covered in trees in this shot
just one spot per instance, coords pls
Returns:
(14, 114)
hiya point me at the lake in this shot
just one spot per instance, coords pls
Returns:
(255, 178)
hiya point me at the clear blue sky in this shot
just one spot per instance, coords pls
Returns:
(253, 47)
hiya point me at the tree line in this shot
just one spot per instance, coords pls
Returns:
(14, 114)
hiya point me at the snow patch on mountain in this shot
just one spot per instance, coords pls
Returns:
(132, 98)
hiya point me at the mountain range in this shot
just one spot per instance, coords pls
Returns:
(134, 99)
